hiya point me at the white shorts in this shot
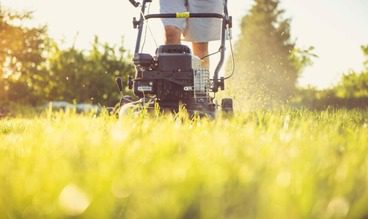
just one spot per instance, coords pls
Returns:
(195, 29)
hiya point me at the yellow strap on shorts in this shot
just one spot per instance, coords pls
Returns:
(182, 14)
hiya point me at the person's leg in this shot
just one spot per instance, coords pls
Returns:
(201, 50)
(172, 35)
(173, 27)
(203, 30)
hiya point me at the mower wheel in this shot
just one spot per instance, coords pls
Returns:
(125, 99)
(227, 105)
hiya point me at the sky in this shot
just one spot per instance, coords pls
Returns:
(336, 28)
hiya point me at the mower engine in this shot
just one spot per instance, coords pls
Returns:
(173, 77)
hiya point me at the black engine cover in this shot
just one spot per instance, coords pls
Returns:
(169, 77)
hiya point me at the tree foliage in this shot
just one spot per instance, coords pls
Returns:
(268, 64)
(355, 84)
(365, 52)
(34, 69)
(21, 57)
(87, 76)
(350, 92)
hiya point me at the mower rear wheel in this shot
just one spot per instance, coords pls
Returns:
(227, 105)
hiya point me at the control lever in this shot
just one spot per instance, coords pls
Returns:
(134, 3)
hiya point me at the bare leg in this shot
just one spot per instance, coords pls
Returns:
(172, 35)
(201, 50)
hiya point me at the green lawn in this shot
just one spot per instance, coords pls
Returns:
(283, 164)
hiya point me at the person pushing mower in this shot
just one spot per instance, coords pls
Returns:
(197, 31)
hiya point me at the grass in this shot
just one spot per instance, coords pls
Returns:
(281, 164)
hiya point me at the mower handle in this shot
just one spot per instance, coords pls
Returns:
(185, 15)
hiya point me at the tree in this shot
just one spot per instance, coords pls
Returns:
(33, 69)
(87, 76)
(365, 52)
(21, 55)
(354, 84)
(267, 67)
(351, 92)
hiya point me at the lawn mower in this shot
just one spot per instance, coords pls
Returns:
(173, 77)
